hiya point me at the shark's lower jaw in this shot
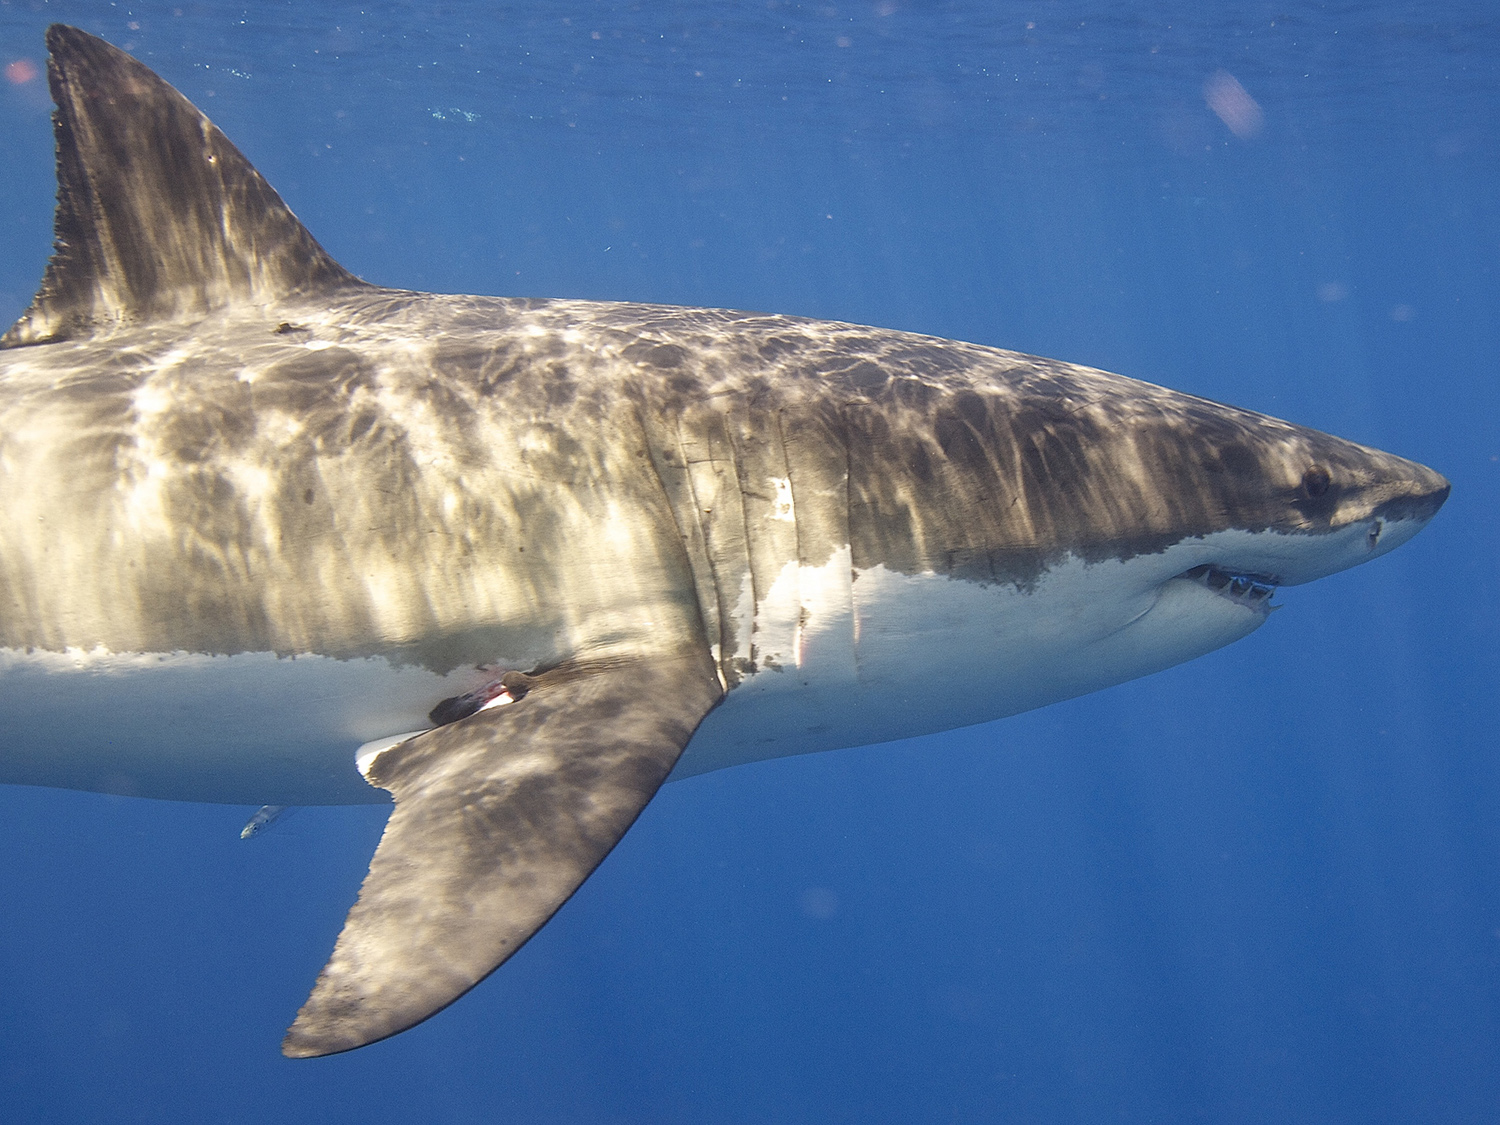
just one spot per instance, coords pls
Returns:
(1250, 590)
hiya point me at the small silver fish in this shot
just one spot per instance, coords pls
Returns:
(264, 817)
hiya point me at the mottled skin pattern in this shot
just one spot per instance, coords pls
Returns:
(221, 445)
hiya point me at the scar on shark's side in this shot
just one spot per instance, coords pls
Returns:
(290, 538)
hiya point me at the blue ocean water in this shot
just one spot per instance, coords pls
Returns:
(1261, 886)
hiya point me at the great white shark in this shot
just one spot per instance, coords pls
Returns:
(274, 535)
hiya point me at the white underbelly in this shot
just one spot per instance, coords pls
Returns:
(248, 729)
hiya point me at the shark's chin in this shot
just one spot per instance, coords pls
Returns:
(1195, 613)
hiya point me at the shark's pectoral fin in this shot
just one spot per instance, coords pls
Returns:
(499, 817)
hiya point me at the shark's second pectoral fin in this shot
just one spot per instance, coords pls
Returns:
(499, 817)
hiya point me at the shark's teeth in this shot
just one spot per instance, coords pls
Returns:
(1253, 590)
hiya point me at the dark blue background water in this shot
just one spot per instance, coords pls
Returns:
(1262, 886)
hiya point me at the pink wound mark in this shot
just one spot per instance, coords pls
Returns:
(498, 696)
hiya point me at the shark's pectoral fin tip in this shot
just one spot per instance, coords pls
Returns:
(293, 1047)
(302, 1040)
(310, 1042)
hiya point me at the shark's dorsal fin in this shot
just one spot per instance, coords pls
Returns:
(159, 217)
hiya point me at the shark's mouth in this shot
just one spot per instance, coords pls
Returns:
(1252, 590)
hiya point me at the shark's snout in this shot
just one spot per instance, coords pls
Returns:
(1428, 493)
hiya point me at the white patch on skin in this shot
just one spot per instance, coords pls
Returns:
(807, 617)
(365, 756)
(782, 507)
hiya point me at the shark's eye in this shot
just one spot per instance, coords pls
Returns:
(1315, 481)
